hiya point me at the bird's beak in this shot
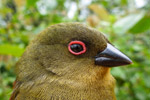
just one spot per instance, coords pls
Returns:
(111, 57)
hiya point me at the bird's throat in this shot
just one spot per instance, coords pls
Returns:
(95, 87)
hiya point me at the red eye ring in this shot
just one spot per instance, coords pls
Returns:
(77, 42)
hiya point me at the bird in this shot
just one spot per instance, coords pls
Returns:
(68, 61)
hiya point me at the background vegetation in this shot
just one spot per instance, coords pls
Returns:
(125, 22)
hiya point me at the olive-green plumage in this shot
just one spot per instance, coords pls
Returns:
(48, 71)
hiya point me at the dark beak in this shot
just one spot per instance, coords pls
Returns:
(111, 57)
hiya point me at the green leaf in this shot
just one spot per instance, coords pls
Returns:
(125, 24)
(31, 2)
(118, 72)
(8, 49)
(124, 2)
(142, 26)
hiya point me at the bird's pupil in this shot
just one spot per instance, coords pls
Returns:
(76, 47)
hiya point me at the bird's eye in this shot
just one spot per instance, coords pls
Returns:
(77, 47)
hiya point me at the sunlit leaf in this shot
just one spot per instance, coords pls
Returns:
(124, 2)
(93, 20)
(100, 11)
(31, 2)
(8, 49)
(20, 3)
(125, 24)
(142, 25)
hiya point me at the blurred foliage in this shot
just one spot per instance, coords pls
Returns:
(125, 22)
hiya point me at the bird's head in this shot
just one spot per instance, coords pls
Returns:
(70, 51)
